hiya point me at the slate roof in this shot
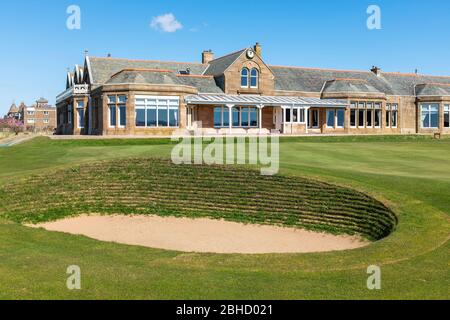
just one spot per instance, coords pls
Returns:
(103, 68)
(313, 80)
(204, 84)
(433, 89)
(219, 65)
(349, 85)
(286, 78)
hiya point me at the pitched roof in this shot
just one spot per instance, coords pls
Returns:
(313, 80)
(13, 108)
(433, 89)
(219, 65)
(164, 77)
(349, 85)
(102, 69)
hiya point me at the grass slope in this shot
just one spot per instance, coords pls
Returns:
(410, 174)
(156, 186)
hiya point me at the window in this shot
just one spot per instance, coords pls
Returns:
(254, 75)
(80, 118)
(377, 118)
(69, 114)
(46, 121)
(430, 115)
(369, 115)
(152, 111)
(30, 121)
(340, 115)
(112, 116)
(122, 115)
(447, 116)
(298, 115)
(30, 113)
(242, 117)
(388, 115)
(330, 118)
(244, 78)
(46, 113)
(353, 118)
(361, 113)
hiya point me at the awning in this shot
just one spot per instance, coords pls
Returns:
(252, 100)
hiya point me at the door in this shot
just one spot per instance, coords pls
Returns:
(314, 118)
(278, 119)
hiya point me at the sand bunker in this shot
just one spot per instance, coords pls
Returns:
(201, 235)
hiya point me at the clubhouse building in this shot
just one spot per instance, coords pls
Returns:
(241, 94)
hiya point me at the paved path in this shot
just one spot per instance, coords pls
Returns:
(14, 140)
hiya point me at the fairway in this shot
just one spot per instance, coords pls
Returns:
(391, 190)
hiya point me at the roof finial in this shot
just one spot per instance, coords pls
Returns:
(86, 52)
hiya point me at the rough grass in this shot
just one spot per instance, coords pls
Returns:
(156, 186)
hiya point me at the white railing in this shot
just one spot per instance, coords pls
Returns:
(76, 89)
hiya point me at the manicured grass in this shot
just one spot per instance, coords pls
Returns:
(410, 174)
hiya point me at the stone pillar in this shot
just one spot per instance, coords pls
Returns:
(306, 119)
(260, 110)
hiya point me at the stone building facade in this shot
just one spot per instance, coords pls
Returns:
(39, 117)
(241, 94)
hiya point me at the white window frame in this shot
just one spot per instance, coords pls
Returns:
(394, 111)
(428, 105)
(377, 109)
(119, 117)
(300, 115)
(31, 121)
(334, 118)
(247, 78)
(46, 121)
(162, 102)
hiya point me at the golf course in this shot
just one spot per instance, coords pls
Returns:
(393, 191)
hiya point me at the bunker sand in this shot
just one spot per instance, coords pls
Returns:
(201, 235)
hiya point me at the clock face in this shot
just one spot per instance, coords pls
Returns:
(250, 54)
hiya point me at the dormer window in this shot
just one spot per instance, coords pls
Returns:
(244, 78)
(254, 76)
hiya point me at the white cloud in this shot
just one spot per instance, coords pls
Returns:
(166, 23)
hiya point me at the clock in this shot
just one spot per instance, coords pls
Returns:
(250, 54)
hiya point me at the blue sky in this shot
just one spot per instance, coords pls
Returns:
(37, 48)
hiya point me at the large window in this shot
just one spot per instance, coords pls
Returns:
(365, 114)
(242, 117)
(244, 78)
(335, 118)
(69, 114)
(254, 76)
(391, 115)
(430, 115)
(447, 116)
(117, 110)
(152, 111)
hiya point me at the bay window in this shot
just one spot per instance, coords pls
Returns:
(117, 110)
(154, 111)
(430, 115)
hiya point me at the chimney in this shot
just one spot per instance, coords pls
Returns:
(376, 70)
(207, 56)
(258, 50)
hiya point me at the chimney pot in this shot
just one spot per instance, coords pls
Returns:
(376, 70)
